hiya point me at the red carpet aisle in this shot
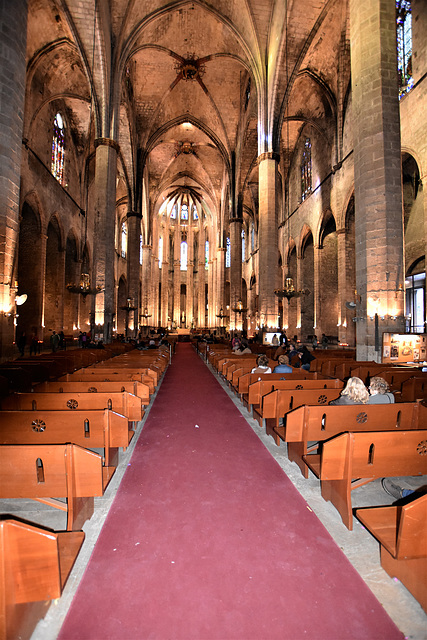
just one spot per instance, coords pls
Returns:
(207, 539)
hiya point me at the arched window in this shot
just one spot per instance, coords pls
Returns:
(184, 253)
(160, 252)
(252, 237)
(123, 241)
(195, 214)
(243, 245)
(140, 248)
(184, 212)
(206, 254)
(404, 45)
(58, 148)
(306, 170)
(227, 251)
(173, 213)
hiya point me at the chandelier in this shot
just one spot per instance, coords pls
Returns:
(130, 305)
(84, 287)
(289, 290)
(239, 308)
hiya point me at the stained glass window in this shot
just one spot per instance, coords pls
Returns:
(243, 245)
(404, 46)
(206, 254)
(183, 256)
(160, 252)
(195, 214)
(227, 252)
(140, 248)
(124, 240)
(306, 170)
(58, 147)
(173, 213)
(184, 212)
(252, 237)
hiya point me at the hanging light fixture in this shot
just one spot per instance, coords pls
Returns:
(239, 308)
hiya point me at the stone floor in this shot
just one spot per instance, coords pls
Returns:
(358, 545)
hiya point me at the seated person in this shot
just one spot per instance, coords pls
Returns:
(354, 392)
(380, 392)
(283, 366)
(306, 358)
(262, 365)
(280, 351)
(244, 348)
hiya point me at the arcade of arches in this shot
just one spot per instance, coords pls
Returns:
(187, 157)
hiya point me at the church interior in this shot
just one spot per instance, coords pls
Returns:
(213, 167)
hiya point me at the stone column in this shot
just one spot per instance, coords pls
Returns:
(380, 268)
(343, 293)
(235, 270)
(133, 270)
(13, 26)
(220, 277)
(146, 277)
(104, 249)
(177, 278)
(201, 306)
(316, 285)
(190, 280)
(268, 236)
(165, 288)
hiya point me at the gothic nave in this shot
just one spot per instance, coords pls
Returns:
(182, 159)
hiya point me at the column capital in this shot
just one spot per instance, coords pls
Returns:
(107, 142)
(340, 232)
(134, 214)
(230, 220)
(268, 155)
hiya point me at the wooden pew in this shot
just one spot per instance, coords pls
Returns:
(247, 379)
(47, 473)
(278, 402)
(351, 460)
(127, 404)
(137, 373)
(319, 423)
(413, 389)
(34, 566)
(94, 429)
(134, 387)
(257, 390)
(110, 376)
(402, 534)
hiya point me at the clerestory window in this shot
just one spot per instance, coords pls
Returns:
(58, 148)
(306, 170)
(404, 46)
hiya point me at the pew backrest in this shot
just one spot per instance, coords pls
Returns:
(136, 388)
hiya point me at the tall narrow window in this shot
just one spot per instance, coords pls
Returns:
(206, 254)
(160, 252)
(404, 45)
(306, 170)
(227, 252)
(58, 148)
(173, 213)
(123, 242)
(252, 237)
(184, 256)
(195, 214)
(184, 212)
(140, 248)
(243, 245)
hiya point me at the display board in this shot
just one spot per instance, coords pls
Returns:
(404, 347)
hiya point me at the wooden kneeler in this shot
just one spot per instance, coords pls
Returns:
(34, 566)
(402, 534)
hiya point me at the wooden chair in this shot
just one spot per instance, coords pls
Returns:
(316, 424)
(351, 460)
(34, 566)
(47, 473)
(401, 531)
